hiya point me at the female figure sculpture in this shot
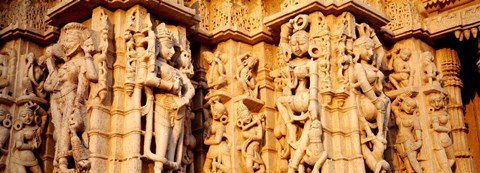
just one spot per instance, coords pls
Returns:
(27, 139)
(368, 80)
(68, 84)
(441, 128)
(173, 92)
(409, 137)
(402, 75)
(218, 156)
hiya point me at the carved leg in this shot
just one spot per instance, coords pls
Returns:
(443, 161)
(412, 157)
(175, 146)
(162, 133)
(36, 169)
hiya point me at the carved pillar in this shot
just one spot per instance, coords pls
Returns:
(449, 64)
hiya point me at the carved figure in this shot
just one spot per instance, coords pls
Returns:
(68, 85)
(409, 136)
(442, 142)
(218, 156)
(216, 74)
(312, 152)
(248, 84)
(373, 147)
(402, 75)
(173, 93)
(27, 140)
(344, 59)
(252, 132)
(79, 150)
(7, 70)
(369, 80)
(6, 123)
(430, 71)
(34, 78)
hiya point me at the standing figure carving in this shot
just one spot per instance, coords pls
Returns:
(172, 91)
(441, 128)
(430, 71)
(216, 74)
(7, 71)
(68, 84)
(6, 123)
(409, 136)
(369, 82)
(248, 84)
(299, 105)
(27, 140)
(218, 156)
(402, 75)
(252, 132)
(34, 78)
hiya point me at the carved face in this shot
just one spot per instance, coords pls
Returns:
(367, 52)
(26, 118)
(166, 48)
(405, 54)
(428, 56)
(409, 105)
(88, 45)
(437, 101)
(299, 43)
(72, 43)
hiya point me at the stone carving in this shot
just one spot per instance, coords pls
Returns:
(34, 78)
(430, 71)
(216, 74)
(189, 144)
(375, 105)
(441, 128)
(299, 101)
(27, 140)
(68, 85)
(245, 75)
(172, 98)
(252, 132)
(402, 75)
(409, 137)
(7, 71)
(5, 119)
(101, 90)
(369, 80)
(218, 158)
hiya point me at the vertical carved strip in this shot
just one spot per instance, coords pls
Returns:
(450, 68)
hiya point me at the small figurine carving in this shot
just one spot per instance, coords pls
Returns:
(430, 71)
(7, 70)
(409, 137)
(173, 93)
(402, 75)
(27, 140)
(68, 85)
(216, 74)
(34, 76)
(6, 123)
(252, 132)
(311, 147)
(245, 76)
(442, 142)
(218, 156)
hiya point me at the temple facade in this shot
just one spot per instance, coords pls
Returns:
(242, 86)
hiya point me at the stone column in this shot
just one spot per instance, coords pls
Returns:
(449, 64)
